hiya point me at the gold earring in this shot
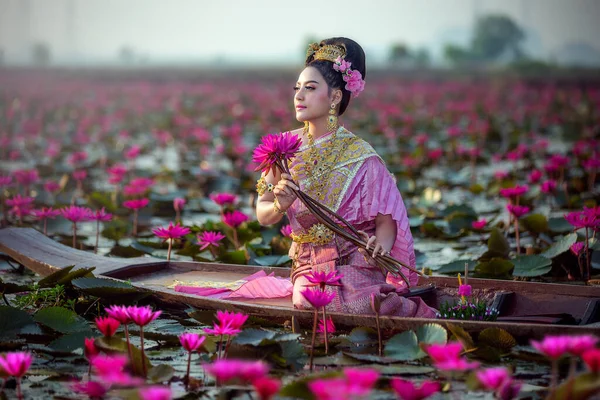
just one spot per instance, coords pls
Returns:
(332, 119)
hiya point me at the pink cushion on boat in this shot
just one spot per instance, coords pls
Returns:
(268, 287)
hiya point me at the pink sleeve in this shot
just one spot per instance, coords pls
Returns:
(378, 194)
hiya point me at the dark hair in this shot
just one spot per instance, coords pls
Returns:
(333, 78)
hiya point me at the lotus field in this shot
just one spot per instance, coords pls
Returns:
(499, 176)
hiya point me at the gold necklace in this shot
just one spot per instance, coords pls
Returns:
(316, 167)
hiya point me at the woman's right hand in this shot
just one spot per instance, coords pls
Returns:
(284, 193)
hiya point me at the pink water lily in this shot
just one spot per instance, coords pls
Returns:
(107, 325)
(190, 342)
(170, 233)
(155, 393)
(223, 199)
(135, 205)
(286, 230)
(225, 371)
(234, 219)
(142, 316)
(76, 214)
(517, 211)
(266, 387)
(323, 279)
(210, 238)
(44, 214)
(92, 389)
(479, 224)
(591, 358)
(330, 326)
(493, 378)
(121, 314)
(578, 344)
(232, 319)
(318, 298)
(407, 390)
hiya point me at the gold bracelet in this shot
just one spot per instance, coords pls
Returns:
(262, 186)
(276, 207)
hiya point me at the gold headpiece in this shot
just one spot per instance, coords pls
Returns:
(329, 52)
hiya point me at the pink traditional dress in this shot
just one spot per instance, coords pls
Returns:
(344, 172)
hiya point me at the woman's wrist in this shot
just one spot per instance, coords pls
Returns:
(277, 207)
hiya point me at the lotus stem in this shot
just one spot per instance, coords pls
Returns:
(554, 379)
(325, 331)
(129, 352)
(236, 243)
(312, 343)
(97, 235)
(170, 247)
(74, 234)
(379, 342)
(227, 346)
(135, 221)
(517, 236)
(187, 374)
(46, 226)
(587, 254)
(19, 393)
(220, 352)
(144, 371)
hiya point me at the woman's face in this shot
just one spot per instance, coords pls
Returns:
(312, 99)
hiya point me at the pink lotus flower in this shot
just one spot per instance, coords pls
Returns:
(191, 341)
(360, 381)
(107, 325)
(235, 218)
(479, 224)
(16, 363)
(136, 204)
(90, 388)
(509, 390)
(171, 232)
(323, 279)
(79, 175)
(329, 389)
(89, 348)
(133, 152)
(227, 370)
(534, 176)
(514, 192)
(274, 147)
(435, 154)
(580, 343)
(178, 204)
(5, 181)
(20, 205)
(223, 199)
(119, 313)
(444, 352)
(101, 215)
(117, 170)
(517, 211)
(286, 230)
(552, 347)
(142, 316)
(266, 387)
(142, 182)
(231, 319)
(406, 390)
(220, 330)
(45, 213)
(330, 326)
(318, 298)
(134, 191)
(582, 219)
(500, 175)
(209, 238)
(155, 393)
(76, 213)
(51, 187)
(26, 177)
(110, 369)
(492, 378)
(77, 157)
(591, 358)
(464, 290)
(460, 364)
(577, 247)
(548, 186)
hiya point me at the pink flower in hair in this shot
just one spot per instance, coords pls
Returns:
(341, 65)
(354, 82)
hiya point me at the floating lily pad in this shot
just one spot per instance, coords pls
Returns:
(61, 320)
(559, 225)
(63, 276)
(430, 333)
(403, 346)
(363, 336)
(462, 336)
(161, 373)
(103, 287)
(535, 223)
(13, 320)
(273, 261)
(455, 267)
(70, 342)
(495, 268)
(560, 246)
(532, 265)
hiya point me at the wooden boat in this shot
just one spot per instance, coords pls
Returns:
(527, 309)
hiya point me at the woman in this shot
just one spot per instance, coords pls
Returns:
(343, 172)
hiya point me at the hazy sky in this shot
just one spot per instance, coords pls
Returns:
(268, 30)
